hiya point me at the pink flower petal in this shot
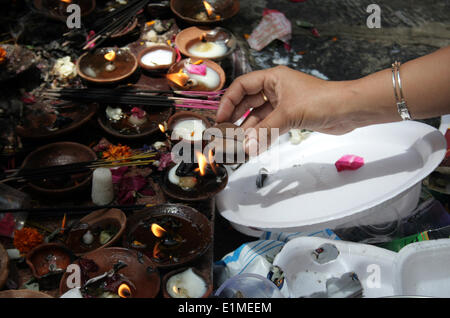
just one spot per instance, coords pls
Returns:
(165, 160)
(196, 69)
(117, 174)
(349, 162)
(139, 112)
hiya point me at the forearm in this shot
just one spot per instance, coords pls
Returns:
(425, 83)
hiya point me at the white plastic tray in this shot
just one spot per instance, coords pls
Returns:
(304, 190)
(419, 269)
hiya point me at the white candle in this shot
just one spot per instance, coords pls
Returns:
(208, 49)
(189, 129)
(186, 284)
(210, 80)
(88, 238)
(157, 58)
(186, 183)
(102, 186)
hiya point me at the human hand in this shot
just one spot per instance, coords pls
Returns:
(284, 98)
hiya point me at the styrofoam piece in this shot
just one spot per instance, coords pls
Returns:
(304, 276)
(423, 269)
(305, 192)
(445, 124)
(420, 269)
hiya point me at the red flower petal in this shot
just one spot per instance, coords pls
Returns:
(349, 162)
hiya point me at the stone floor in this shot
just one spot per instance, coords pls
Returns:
(347, 48)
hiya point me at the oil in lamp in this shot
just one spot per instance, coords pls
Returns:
(106, 65)
(205, 48)
(196, 75)
(208, 13)
(110, 57)
(186, 284)
(199, 178)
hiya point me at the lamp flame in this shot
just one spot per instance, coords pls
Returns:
(211, 161)
(179, 78)
(66, 1)
(201, 163)
(162, 128)
(157, 230)
(156, 250)
(209, 9)
(124, 291)
(110, 56)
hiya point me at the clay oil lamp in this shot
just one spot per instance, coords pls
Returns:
(186, 283)
(169, 234)
(23, 293)
(106, 65)
(48, 262)
(99, 229)
(199, 178)
(203, 43)
(57, 9)
(159, 10)
(196, 75)
(39, 123)
(227, 142)
(157, 58)
(202, 12)
(55, 154)
(15, 60)
(128, 29)
(187, 126)
(132, 122)
(114, 272)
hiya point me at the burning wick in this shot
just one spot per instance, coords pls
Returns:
(211, 161)
(201, 163)
(63, 223)
(110, 56)
(157, 230)
(124, 291)
(180, 78)
(209, 9)
(186, 284)
(162, 128)
(66, 1)
(167, 240)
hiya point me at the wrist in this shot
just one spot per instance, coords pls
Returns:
(370, 100)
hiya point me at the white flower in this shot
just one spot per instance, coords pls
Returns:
(114, 113)
(64, 68)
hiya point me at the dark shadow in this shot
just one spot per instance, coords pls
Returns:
(412, 159)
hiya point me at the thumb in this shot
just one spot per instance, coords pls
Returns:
(260, 137)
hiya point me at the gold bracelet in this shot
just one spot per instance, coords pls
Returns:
(402, 108)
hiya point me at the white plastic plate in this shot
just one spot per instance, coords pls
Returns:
(305, 191)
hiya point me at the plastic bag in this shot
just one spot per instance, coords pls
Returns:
(11, 198)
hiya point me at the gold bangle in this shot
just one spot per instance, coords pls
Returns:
(264, 97)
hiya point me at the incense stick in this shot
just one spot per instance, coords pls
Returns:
(135, 97)
(78, 167)
(113, 22)
(70, 210)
